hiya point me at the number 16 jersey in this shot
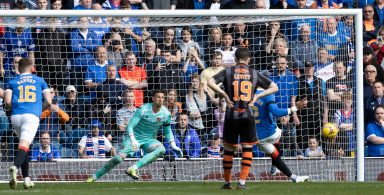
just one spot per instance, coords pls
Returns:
(240, 83)
(27, 94)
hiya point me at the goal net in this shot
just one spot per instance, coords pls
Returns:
(102, 67)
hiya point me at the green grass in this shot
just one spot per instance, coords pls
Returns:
(194, 188)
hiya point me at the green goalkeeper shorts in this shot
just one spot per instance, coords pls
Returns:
(147, 146)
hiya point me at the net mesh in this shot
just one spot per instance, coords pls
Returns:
(80, 57)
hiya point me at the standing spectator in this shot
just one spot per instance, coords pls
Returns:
(186, 138)
(53, 119)
(213, 43)
(17, 42)
(95, 144)
(376, 100)
(115, 50)
(375, 134)
(45, 151)
(192, 65)
(159, 4)
(134, 77)
(304, 48)
(216, 66)
(147, 58)
(242, 37)
(344, 118)
(186, 43)
(371, 24)
(227, 50)
(370, 75)
(313, 89)
(173, 106)
(123, 117)
(313, 150)
(332, 40)
(100, 24)
(169, 44)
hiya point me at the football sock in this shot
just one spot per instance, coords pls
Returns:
(108, 166)
(148, 158)
(279, 163)
(246, 163)
(20, 156)
(227, 165)
(25, 166)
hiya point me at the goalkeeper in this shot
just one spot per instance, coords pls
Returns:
(142, 130)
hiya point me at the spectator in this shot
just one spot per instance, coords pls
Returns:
(314, 150)
(186, 138)
(282, 4)
(242, 37)
(115, 50)
(198, 104)
(17, 42)
(214, 149)
(280, 48)
(302, 4)
(344, 118)
(159, 4)
(123, 117)
(134, 77)
(169, 44)
(8, 4)
(15, 68)
(51, 58)
(324, 68)
(261, 4)
(378, 45)
(147, 58)
(369, 58)
(216, 66)
(378, 6)
(375, 134)
(192, 65)
(213, 43)
(53, 119)
(95, 144)
(220, 117)
(56, 4)
(84, 5)
(172, 104)
(45, 151)
(332, 39)
(324, 4)
(100, 24)
(313, 89)
(111, 4)
(370, 75)
(238, 4)
(371, 24)
(227, 50)
(187, 43)
(289, 142)
(287, 83)
(376, 100)
(304, 48)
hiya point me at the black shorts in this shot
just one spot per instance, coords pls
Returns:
(245, 128)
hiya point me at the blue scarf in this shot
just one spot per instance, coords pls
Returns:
(90, 147)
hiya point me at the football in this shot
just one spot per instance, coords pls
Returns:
(329, 131)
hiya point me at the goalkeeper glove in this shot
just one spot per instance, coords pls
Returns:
(134, 143)
(176, 149)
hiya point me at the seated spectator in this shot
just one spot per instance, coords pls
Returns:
(15, 68)
(134, 77)
(280, 48)
(84, 5)
(53, 119)
(187, 43)
(313, 150)
(371, 24)
(95, 144)
(169, 44)
(123, 116)
(376, 100)
(192, 65)
(100, 24)
(369, 58)
(324, 67)
(115, 50)
(186, 138)
(324, 4)
(147, 57)
(75, 108)
(370, 74)
(331, 39)
(111, 4)
(375, 134)
(172, 104)
(304, 48)
(214, 149)
(45, 151)
(344, 119)
(227, 50)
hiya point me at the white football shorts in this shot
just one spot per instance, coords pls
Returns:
(25, 126)
(266, 144)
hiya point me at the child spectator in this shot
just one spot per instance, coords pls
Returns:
(313, 150)
(214, 149)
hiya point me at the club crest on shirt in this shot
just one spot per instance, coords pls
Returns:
(158, 119)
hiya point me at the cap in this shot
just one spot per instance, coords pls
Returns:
(367, 50)
(96, 123)
(70, 88)
(308, 64)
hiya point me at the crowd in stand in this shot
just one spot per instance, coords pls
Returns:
(99, 75)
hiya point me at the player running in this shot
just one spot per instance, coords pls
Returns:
(142, 130)
(23, 95)
(240, 83)
(269, 135)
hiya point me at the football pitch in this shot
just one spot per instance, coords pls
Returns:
(194, 188)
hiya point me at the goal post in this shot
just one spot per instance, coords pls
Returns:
(179, 19)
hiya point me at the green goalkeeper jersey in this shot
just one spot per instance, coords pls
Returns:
(145, 124)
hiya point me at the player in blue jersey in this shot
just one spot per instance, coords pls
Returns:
(142, 131)
(24, 95)
(269, 134)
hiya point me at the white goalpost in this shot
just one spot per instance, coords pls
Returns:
(68, 70)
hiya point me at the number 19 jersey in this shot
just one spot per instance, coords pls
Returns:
(240, 83)
(27, 94)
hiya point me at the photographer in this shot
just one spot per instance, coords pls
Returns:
(115, 50)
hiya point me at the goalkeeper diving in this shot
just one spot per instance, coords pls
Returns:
(142, 131)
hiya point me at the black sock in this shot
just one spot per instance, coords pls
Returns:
(277, 162)
(25, 166)
(20, 157)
